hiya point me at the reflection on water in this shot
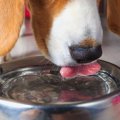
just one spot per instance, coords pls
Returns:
(45, 85)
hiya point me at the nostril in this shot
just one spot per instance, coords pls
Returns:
(85, 54)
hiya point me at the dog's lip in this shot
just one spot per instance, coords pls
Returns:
(81, 69)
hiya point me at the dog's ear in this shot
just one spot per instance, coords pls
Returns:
(11, 17)
(113, 15)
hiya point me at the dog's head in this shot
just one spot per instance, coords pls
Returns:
(68, 32)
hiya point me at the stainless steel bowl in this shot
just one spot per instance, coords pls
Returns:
(32, 89)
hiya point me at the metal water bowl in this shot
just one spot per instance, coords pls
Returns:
(32, 89)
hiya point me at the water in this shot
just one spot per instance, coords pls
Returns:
(45, 85)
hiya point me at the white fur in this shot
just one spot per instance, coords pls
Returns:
(78, 21)
(25, 46)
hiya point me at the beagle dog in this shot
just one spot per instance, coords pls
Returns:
(68, 32)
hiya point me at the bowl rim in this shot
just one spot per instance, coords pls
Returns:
(102, 100)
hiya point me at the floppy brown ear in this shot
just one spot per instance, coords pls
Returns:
(11, 17)
(113, 15)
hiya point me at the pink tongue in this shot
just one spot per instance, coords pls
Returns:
(88, 69)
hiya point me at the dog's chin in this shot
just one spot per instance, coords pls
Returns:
(84, 69)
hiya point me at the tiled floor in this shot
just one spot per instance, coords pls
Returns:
(111, 45)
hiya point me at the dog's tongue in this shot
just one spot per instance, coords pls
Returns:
(87, 69)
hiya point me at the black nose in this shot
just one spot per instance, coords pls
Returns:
(85, 54)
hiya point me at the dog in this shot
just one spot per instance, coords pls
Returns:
(67, 32)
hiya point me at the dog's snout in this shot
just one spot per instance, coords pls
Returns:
(85, 54)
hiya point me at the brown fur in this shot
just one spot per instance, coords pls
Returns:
(42, 17)
(88, 43)
(98, 2)
(113, 15)
(41, 23)
(57, 6)
(11, 15)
